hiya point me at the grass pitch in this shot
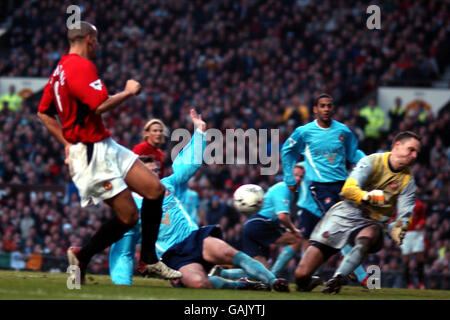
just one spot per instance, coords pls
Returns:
(16, 285)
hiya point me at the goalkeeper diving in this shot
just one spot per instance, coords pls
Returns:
(379, 183)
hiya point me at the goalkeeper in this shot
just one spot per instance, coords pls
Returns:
(377, 185)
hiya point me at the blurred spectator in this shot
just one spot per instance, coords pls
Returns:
(375, 117)
(11, 99)
(396, 114)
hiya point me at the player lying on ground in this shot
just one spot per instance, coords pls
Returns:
(184, 246)
(377, 185)
(271, 225)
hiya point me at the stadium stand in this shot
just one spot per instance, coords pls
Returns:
(242, 64)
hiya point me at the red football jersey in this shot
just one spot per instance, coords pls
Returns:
(418, 216)
(74, 91)
(145, 149)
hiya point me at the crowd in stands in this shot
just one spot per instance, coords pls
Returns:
(241, 64)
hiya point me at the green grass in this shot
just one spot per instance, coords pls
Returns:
(50, 286)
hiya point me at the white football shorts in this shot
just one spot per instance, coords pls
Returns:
(413, 242)
(103, 177)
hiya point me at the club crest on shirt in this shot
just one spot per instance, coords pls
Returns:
(167, 193)
(331, 159)
(107, 185)
(341, 137)
(326, 235)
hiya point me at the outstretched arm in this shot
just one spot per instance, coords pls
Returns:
(190, 159)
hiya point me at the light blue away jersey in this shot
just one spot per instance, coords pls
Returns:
(191, 203)
(325, 150)
(277, 199)
(176, 223)
(305, 198)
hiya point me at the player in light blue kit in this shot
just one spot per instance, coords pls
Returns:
(271, 225)
(191, 203)
(326, 145)
(188, 248)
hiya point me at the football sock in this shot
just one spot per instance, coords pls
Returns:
(420, 271)
(109, 232)
(121, 257)
(151, 213)
(360, 273)
(354, 258)
(254, 268)
(221, 283)
(233, 273)
(406, 275)
(285, 255)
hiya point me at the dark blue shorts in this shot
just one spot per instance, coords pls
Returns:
(258, 234)
(326, 194)
(190, 250)
(306, 222)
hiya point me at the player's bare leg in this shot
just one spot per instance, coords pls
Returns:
(312, 259)
(217, 251)
(194, 276)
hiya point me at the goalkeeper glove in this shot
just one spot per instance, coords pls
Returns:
(374, 197)
(398, 232)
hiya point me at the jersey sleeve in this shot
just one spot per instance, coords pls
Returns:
(406, 202)
(283, 201)
(351, 148)
(47, 104)
(290, 151)
(358, 177)
(85, 85)
(189, 160)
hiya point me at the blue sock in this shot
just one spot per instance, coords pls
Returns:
(253, 268)
(351, 260)
(221, 283)
(235, 274)
(285, 255)
(359, 271)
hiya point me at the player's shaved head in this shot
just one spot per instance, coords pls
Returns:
(77, 34)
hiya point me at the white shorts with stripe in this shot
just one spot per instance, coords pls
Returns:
(413, 242)
(103, 177)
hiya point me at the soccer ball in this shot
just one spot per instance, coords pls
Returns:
(248, 199)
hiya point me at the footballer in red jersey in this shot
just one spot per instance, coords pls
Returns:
(153, 136)
(101, 169)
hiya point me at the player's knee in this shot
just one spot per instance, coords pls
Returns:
(200, 282)
(130, 219)
(362, 244)
(300, 272)
(154, 192)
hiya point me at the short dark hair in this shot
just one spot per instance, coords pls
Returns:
(406, 135)
(320, 96)
(77, 34)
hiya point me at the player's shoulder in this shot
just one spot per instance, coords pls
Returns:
(139, 147)
(278, 188)
(341, 126)
(74, 62)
